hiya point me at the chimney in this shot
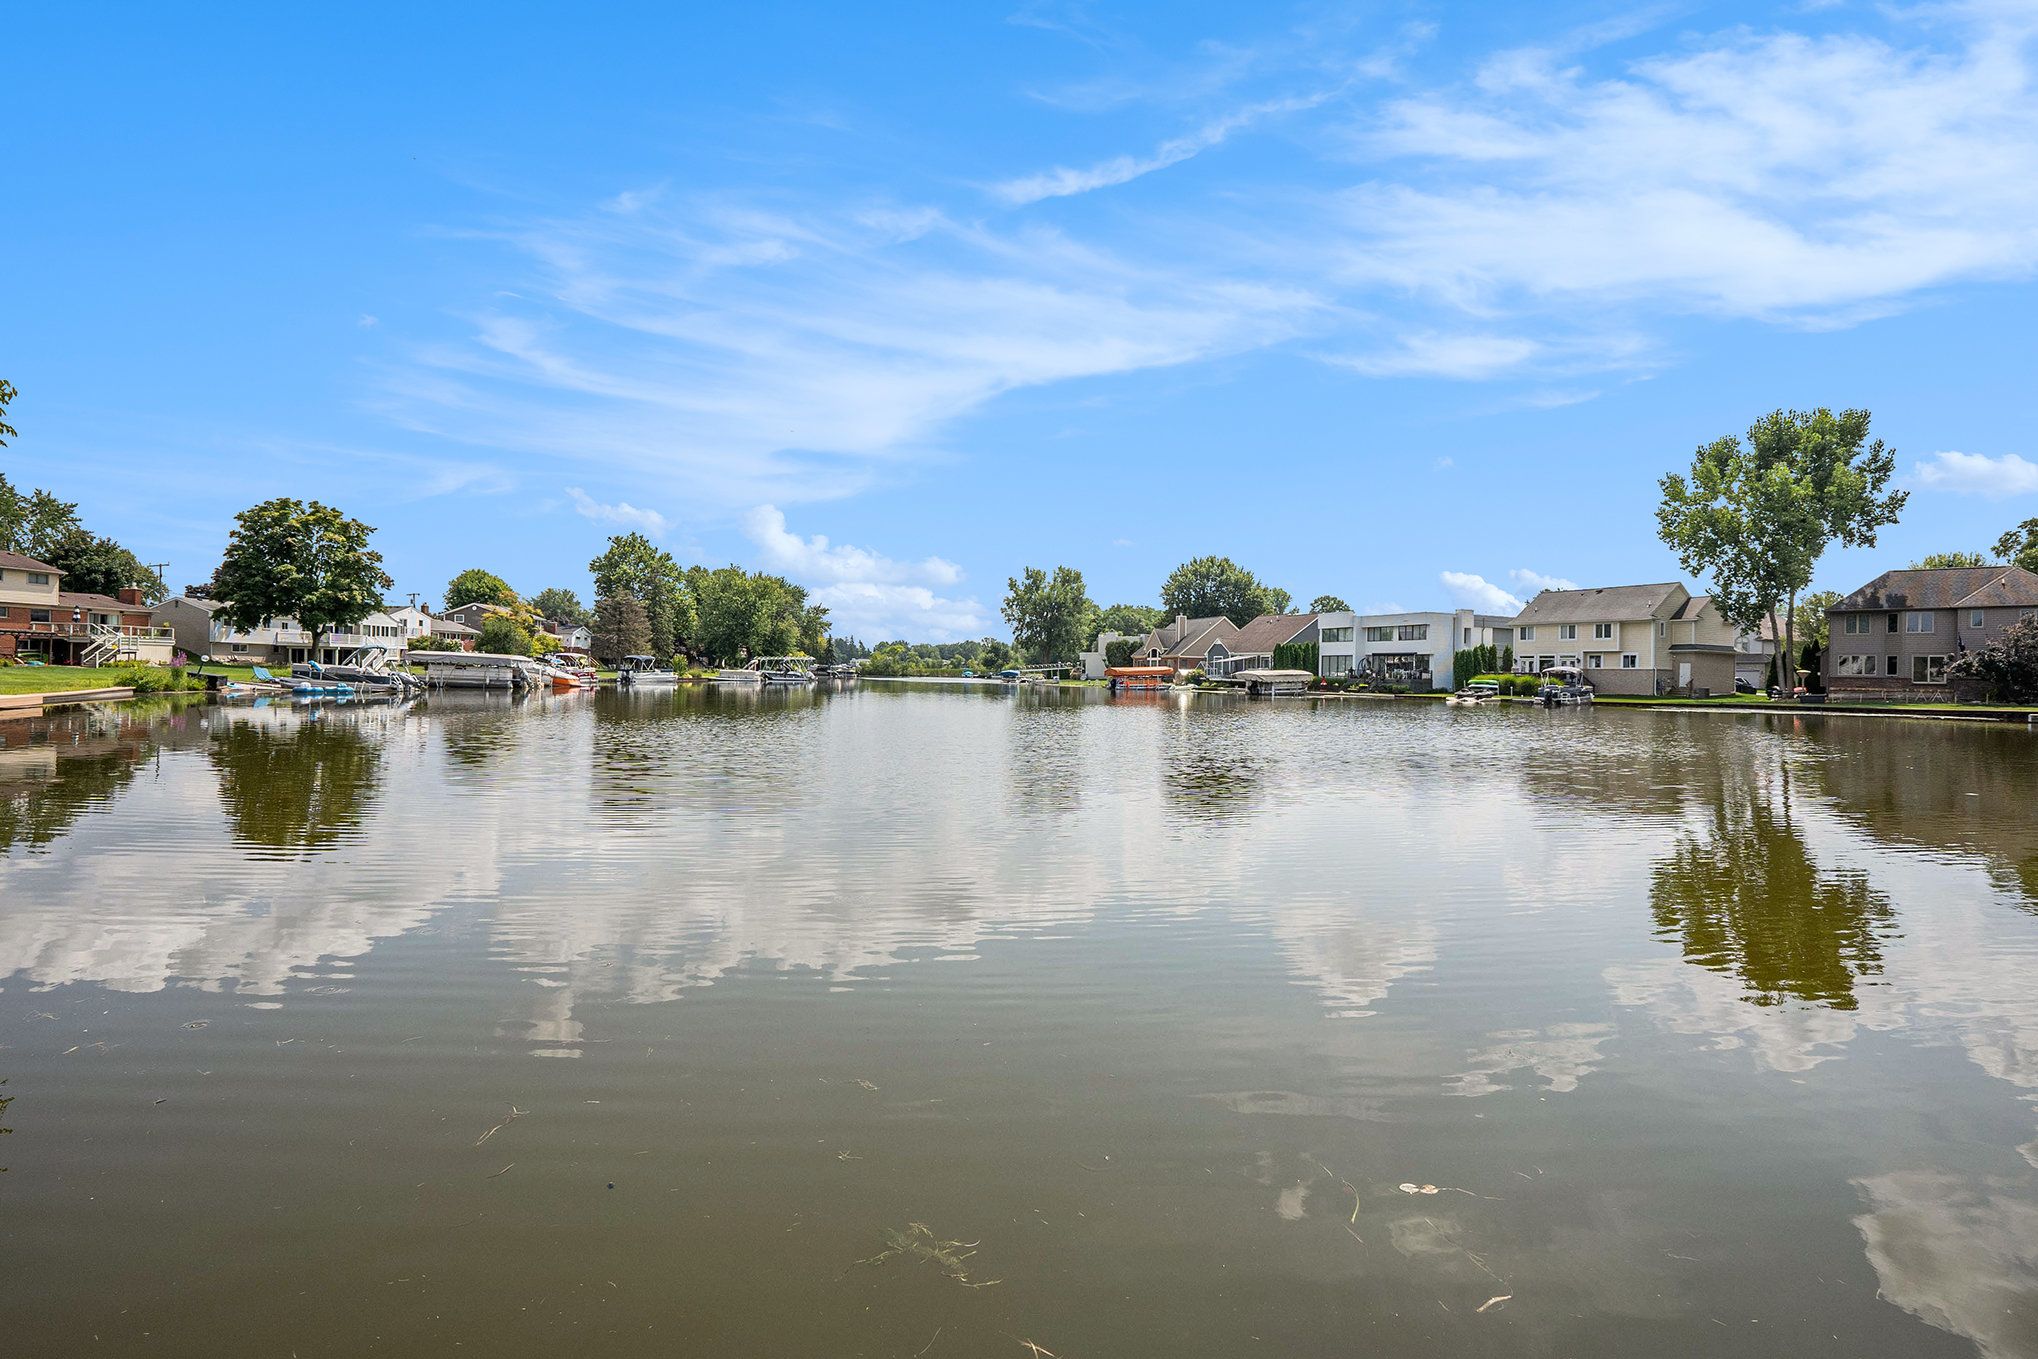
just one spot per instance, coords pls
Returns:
(130, 595)
(1181, 627)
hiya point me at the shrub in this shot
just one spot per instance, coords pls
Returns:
(1195, 677)
(1120, 651)
(155, 679)
(2008, 666)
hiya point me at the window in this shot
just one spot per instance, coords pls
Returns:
(1855, 624)
(1630, 661)
(1662, 629)
(1892, 665)
(1528, 634)
(1892, 622)
(1412, 632)
(1928, 669)
(1602, 632)
(1918, 621)
(1379, 634)
(1975, 618)
(1595, 661)
(38, 578)
(1468, 636)
(1854, 665)
(38, 615)
(1567, 632)
(1337, 634)
(1335, 667)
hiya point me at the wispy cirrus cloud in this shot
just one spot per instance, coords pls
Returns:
(1979, 474)
(1063, 182)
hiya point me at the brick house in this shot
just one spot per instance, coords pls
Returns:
(1893, 637)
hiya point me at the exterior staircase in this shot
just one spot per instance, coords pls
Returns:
(106, 644)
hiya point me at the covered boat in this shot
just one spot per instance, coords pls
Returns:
(1134, 679)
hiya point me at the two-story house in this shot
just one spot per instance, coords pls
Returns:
(1894, 637)
(280, 642)
(1184, 643)
(1414, 649)
(1629, 639)
(38, 617)
(1252, 646)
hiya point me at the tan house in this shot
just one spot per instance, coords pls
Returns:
(1252, 646)
(1894, 637)
(1629, 639)
(1185, 643)
(40, 619)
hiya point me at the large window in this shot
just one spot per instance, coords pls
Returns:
(1379, 634)
(1412, 632)
(1928, 669)
(1854, 665)
(1918, 621)
(1602, 632)
(1336, 667)
(1337, 634)
(38, 615)
(1857, 624)
(1567, 632)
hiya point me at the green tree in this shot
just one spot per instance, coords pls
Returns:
(635, 566)
(1050, 614)
(2008, 663)
(1812, 623)
(620, 628)
(1328, 604)
(1940, 560)
(1133, 620)
(476, 586)
(1209, 586)
(94, 565)
(305, 788)
(1755, 518)
(289, 559)
(7, 394)
(504, 634)
(561, 606)
(2019, 546)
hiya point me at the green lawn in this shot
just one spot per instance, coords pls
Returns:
(58, 679)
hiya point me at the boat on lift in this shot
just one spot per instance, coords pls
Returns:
(771, 670)
(643, 672)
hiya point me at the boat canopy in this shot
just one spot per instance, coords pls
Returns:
(1139, 671)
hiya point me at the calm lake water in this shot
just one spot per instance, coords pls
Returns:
(710, 1022)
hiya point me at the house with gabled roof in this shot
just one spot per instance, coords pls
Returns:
(1184, 643)
(1895, 636)
(1629, 639)
(1252, 646)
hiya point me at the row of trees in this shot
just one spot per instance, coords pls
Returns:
(1053, 618)
(645, 602)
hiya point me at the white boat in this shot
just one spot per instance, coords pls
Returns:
(644, 671)
(771, 670)
(482, 670)
(1270, 683)
(1475, 693)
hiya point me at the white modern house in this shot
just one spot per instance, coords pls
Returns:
(1414, 649)
(284, 641)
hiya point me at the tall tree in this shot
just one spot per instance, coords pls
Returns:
(1812, 623)
(1209, 586)
(2019, 546)
(620, 628)
(1273, 599)
(476, 586)
(1132, 620)
(1755, 518)
(7, 394)
(1328, 604)
(1050, 614)
(289, 559)
(561, 606)
(1937, 561)
(94, 565)
(635, 566)
(505, 634)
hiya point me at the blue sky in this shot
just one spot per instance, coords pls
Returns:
(1407, 303)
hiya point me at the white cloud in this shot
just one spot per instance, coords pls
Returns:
(622, 513)
(1445, 464)
(1468, 590)
(1979, 474)
(1766, 175)
(815, 559)
(868, 595)
(1533, 581)
(367, 321)
(1063, 182)
(1469, 357)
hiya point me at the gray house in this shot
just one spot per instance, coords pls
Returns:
(1894, 637)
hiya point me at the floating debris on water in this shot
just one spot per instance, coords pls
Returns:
(918, 1242)
(514, 1114)
(1494, 1301)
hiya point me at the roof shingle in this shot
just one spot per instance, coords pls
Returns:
(1946, 587)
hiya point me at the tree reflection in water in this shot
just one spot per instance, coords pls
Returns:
(53, 771)
(303, 787)
(1745, 897)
